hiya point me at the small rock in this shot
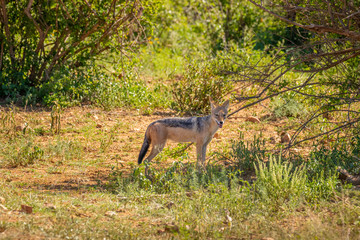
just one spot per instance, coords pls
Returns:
(110, 214)
(2, 200)
(99, 126)
(26, 209)
(285, 137)
(253, 119)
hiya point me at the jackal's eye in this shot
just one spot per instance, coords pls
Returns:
(216, 115)
(224, 115)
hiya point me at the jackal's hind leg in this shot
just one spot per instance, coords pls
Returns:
(156, 149)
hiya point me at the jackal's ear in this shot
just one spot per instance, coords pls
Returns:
(226, 104)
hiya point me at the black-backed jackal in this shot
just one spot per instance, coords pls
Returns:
(199, 130)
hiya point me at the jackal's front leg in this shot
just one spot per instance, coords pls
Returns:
(200, 153)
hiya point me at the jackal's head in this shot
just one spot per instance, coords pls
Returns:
(219, 112)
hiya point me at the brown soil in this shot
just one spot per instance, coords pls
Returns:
(90, 126)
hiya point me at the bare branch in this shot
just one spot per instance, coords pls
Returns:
(313, 27)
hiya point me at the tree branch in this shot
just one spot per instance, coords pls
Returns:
(312, 27)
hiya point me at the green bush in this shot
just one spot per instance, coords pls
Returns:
(342, 154)
(20, 152)
(130, 92)
(281, 183)
(70, 87)
(42, 37)
(93, 85)
(200, 81)
(244, 155)
(321, 187)
(278, 182)
(287, 106)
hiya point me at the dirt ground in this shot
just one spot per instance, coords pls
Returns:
(112, 139)
(70, 177)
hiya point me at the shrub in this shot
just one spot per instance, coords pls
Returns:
(342, 154)
(321, 186)
(20, 153)
(129, 92)
(200, 81)
(42, 37)
(287, 106)
(244, 155)
(278, 182)
(93, 85)
(281, 183)
(70, 87)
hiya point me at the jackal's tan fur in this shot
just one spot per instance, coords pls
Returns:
(199, 130)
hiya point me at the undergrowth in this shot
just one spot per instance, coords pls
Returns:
(278, 182)
(244, 192)
(199, 82)
(122, 88)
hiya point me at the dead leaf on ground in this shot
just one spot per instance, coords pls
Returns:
(252, 119)
(26, 209)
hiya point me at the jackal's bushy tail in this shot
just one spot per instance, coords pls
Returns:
(144, 148)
